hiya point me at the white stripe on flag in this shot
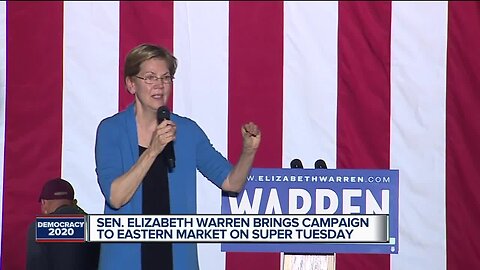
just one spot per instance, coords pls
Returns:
(3, 68)
(201, 93)
(90, 91)
(418, 76)
(310, 82)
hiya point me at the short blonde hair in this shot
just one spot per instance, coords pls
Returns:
(144, 52)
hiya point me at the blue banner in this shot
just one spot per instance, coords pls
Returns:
(60, 229)
(318, 191)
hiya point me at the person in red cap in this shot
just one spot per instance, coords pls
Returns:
(58, 198)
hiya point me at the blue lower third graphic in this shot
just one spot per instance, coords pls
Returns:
(60, 229)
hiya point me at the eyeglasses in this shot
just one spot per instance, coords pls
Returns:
(151, 79)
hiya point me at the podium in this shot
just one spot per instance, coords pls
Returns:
(337, 199)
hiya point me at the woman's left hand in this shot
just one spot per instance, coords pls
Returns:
(251, 137)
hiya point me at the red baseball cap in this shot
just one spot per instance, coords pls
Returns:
(57, 189)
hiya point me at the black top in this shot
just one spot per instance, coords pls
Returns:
(53, 256)
(156, 201)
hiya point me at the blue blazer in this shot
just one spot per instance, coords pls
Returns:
(116, 151)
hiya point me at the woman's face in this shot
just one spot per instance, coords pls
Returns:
(152, 86)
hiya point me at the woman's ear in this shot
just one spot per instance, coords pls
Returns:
(130, 85)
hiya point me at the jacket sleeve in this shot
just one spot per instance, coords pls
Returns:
(108, 157)
(211, 163)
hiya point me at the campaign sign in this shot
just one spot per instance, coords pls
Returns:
(318, 192)
(59, 228)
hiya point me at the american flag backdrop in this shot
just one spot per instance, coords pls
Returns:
(378, 85)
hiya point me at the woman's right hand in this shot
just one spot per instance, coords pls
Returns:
(163, 134)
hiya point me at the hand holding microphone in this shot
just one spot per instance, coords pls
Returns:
(164, 135)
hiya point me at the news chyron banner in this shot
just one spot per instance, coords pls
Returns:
(325, 210)
(280, 210)
(210, 228)
(232, 228)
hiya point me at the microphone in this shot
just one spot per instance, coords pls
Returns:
(320, 164)
(296, 164)
(164, 114)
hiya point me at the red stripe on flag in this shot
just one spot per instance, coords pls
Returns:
(143, 22)
(255, 94)
(363, 139)
(463, 131)
(33, 133)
